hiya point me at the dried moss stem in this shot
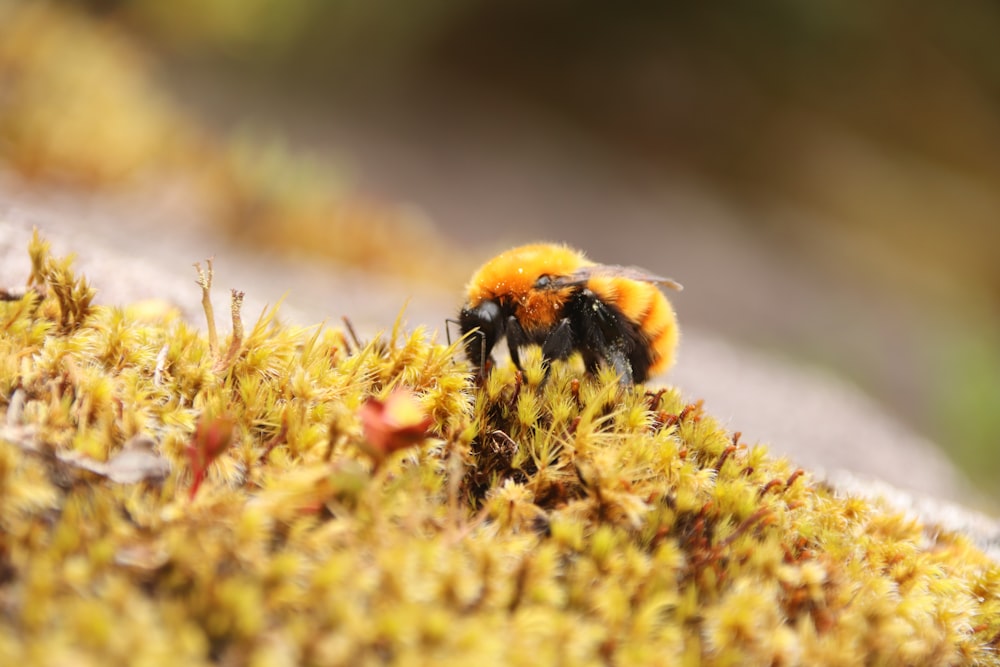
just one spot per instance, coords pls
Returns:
(205, 282)
(236, 306)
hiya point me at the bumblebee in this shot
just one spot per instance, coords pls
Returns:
(553, 296)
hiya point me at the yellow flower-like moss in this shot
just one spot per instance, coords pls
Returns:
(571, 521)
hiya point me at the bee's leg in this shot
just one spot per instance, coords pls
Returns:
(516, 338)
(559, 343)
(598, 352)
(618, 359)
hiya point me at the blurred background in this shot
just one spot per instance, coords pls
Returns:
(823, 177)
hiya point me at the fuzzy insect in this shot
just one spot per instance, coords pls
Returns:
(553, 296)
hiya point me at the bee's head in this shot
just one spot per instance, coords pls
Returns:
(482, 326)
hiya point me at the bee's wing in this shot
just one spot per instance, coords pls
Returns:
(628, 272)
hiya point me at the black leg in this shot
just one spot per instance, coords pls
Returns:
(618, 359)
(559, 343)
(515, 339)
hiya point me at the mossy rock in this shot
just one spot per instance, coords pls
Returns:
(528, 522)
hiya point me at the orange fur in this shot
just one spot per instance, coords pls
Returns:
(511, 274)
(540, 310)
(633, 297)
(664, 342)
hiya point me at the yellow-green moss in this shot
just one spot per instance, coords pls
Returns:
(569, 523)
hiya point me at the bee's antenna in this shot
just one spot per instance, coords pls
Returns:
(474, 332)
(482, 350)
(447, 327)
(350, 330)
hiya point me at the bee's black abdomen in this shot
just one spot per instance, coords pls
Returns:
(604, 334)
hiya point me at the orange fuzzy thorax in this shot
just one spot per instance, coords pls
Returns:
(510, 278)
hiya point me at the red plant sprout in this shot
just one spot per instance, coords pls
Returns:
(392, 424)
(212, 436)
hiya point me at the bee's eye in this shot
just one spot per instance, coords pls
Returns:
(543, 282)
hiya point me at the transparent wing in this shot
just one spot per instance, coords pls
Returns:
(628, 272)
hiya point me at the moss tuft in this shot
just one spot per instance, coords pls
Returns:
(520, 522)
